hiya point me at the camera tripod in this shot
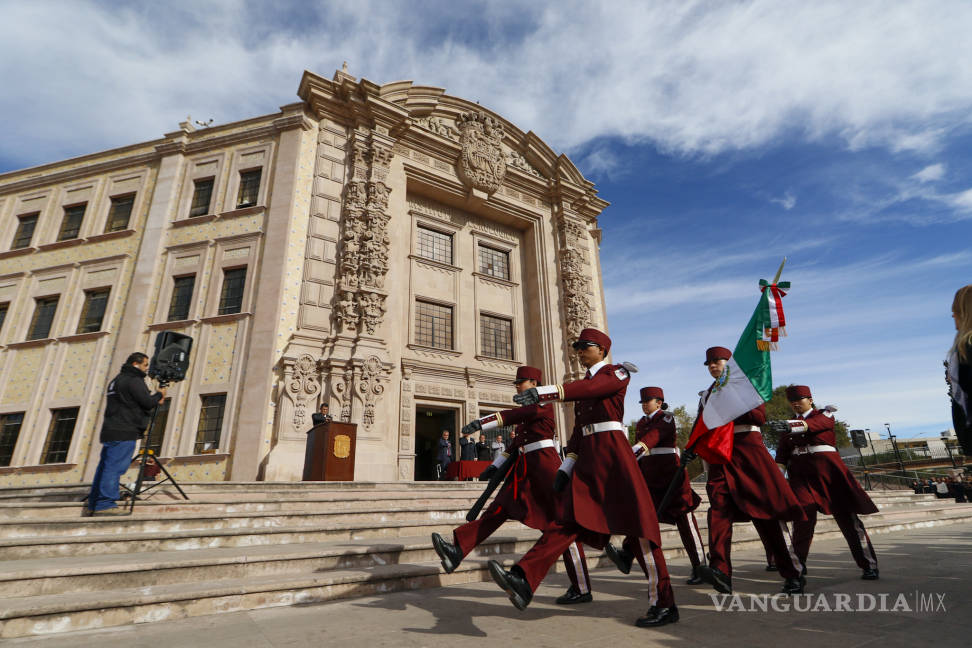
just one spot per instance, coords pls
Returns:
(145, 454)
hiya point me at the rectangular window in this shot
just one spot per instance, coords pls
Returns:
(95, 302)
(4, 307)
(202, 195)
(9, 431)
(40, 323)
(210, 423)
(59, 435)
(120, 213)
(181, 299)
(433, 325)
(249, 188)
(156, 434)
(434, 245)
(494, 263)
(496, 336)
(231, 297)
(71, 224)
(25, 231)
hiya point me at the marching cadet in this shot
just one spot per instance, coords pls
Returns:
(748, 487)
(821, 481)
(527, 495)
(657, 455)
(603, 490)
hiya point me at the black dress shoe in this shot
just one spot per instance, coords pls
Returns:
(450, 554)
(794, 585)
(657, 616)
(622, 558)
(714, 577)
(803, 572)
(695, 579)
(572, 596)
(771, 568)
(870, 574)
(513, 583)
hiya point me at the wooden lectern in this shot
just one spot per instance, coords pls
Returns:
(330, 452)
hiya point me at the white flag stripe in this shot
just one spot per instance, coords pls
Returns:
(734, 399)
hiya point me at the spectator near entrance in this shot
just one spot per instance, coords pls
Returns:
(444, 456)
(467, 450)
(498, 447)
(941, 488)
(483, 452)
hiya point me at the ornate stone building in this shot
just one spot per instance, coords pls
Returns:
(388, 249)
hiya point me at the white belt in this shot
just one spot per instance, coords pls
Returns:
(813, 449)
(606, 426)
(739, 429)
(537, 445)
(663, 451)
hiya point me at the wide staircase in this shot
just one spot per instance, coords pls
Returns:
(243, 546)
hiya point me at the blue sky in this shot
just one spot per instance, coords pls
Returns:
(724, 135)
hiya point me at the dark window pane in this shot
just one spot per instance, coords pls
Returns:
(202, 195)
(496, 336)
(120, 213)
(249, 188)
(59, 435)
(433, 325)
(71, 224)
(3, 314)
(434, 245)
(210, 423)
(25, 231)
(95, 302)
(40, 323)
(181, 298)
(156, 434)
(231, 298)
(9, 431)
(494, 262)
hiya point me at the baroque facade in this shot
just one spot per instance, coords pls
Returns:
(388, 249)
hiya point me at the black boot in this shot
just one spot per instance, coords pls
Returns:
(513, 583)
(622, 558)
(572, 596)
(695, 579)
(657, 616)
(771, 568)
(794, 585)
(870, 574)
(714, 577)
(450, 554)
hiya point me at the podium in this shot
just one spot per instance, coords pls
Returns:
(330, 452)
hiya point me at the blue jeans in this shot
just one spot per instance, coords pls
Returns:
(116, 457)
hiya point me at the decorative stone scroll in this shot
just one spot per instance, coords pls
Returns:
(371, 386)
(303, 384)
(579, 311)
(341, 385)
(482, 164)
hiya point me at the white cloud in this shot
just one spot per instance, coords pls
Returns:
(787, 202)
(931, 173)
(693, 77)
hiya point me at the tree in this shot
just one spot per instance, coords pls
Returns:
(683, 428)
(778, 409)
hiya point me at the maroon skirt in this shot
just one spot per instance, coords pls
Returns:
(658, 471)
(822, 480)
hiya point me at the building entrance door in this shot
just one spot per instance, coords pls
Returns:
(429, 424)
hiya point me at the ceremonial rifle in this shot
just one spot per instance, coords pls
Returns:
(491, 486)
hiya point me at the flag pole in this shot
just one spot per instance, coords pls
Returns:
(779, 271)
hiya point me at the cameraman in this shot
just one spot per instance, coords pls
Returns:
(130, 404)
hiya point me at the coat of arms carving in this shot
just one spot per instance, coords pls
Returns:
(482, 165)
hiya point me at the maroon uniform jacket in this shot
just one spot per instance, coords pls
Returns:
(607, 493)
(821, 479)
(751, 479)
(527, 495)
(658, 470)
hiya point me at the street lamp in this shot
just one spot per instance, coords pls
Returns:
(871, 441)
(894, 445)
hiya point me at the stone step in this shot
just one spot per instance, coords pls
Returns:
(46, 614)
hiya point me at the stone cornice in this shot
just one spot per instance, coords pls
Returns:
(95, 168)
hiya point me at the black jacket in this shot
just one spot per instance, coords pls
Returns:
(962, 420)
(130, 406)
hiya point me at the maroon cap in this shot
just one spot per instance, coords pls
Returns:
(796, 392)
(595, 336)
(717, 353)
(647, 393)
(529, 373)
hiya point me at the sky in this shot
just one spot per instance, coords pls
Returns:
(725, 136)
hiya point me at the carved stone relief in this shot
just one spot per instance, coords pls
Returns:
(439, 126)
(371, 386)
(302, 386)
(482, 165)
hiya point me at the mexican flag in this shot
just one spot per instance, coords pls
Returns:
(747, 381)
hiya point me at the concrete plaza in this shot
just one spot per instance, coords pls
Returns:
(932, 564)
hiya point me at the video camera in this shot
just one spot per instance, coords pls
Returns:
(170, 362)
